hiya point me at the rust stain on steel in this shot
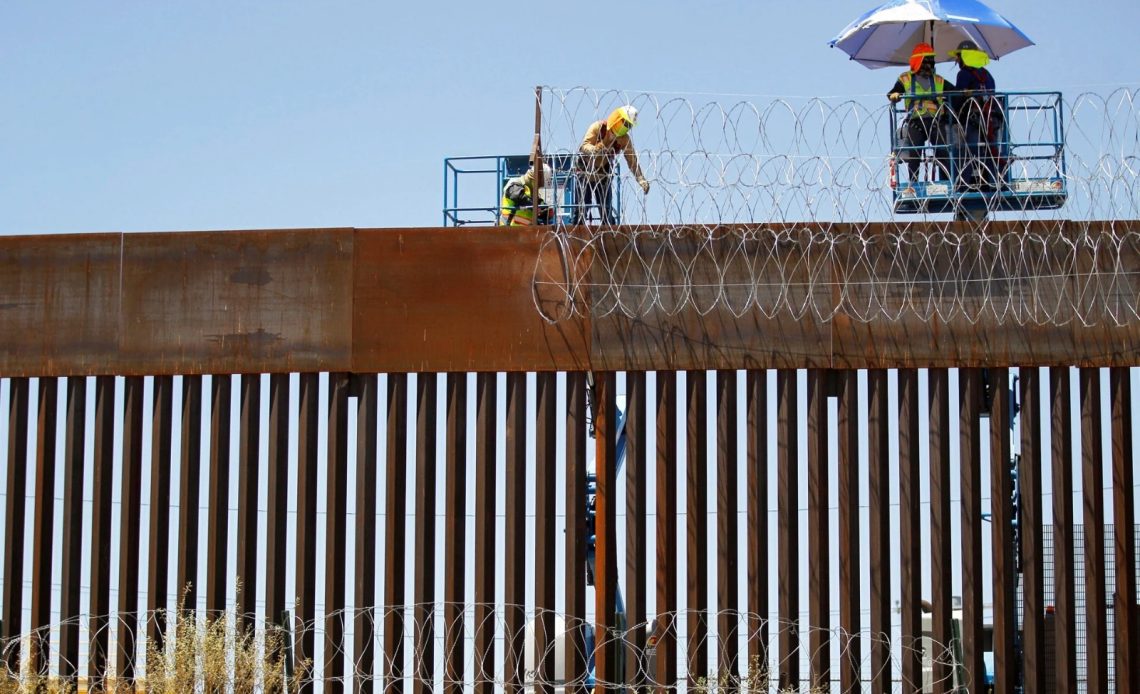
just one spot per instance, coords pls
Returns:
(787, 457)
(879, 556)
(1061, 446)
(442, 299)
(819, 529)
(697, 522)
(756, 452)
(666, 484)
(1033, 636)
(910, 520)
(576, 531)
(941, 550)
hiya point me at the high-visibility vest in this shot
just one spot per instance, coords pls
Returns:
(511, 214)
(916, 104)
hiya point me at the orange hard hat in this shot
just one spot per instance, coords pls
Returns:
(921, 50)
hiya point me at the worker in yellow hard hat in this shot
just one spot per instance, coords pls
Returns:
(926, 112)
(594, 165)
(979, 117)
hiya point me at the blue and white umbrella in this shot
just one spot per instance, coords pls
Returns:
(885, 35)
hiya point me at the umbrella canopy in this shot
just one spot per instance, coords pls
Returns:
(885, 35)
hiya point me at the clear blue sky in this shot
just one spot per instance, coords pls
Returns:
(139, 116)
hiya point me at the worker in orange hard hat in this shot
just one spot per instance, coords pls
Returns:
(926, 112)
(594, 165)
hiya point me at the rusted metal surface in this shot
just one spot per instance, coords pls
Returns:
(545, 516)
(756, 443)
(666, 487)
(1064, 585)
(697, 522)
(879, 519)
(1127, 643)
(605, 553)
(366, 387)
(305, 571)
(425, 550)
(910, 520)
(1092, 494)
(277, 483)
(336, 525)
(970, 464)
(941, 551)
(43, 544)
(576, 531)
(248, 461)
(727, 598)
(14, 517)
(486, 555)
(98, 657)
(515, 558)
(394, 532)
(70, 577)
(130, 520)
(309, 300)
(1001, 520)
(819, 528)
(850, 539)
(186, 580)
(455, 533)
(1030, 525)
(161, 426)
(787, 472)
(218, 504)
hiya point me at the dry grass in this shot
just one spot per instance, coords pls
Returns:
(757, 679)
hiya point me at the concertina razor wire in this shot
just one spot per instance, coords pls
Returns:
(227, 654)
(786, 206)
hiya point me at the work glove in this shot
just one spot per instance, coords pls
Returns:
(644, 185)
(894, 97)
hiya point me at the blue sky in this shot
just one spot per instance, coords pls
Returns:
(138, 116)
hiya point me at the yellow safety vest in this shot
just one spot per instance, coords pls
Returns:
(916, 104)
(510, 214)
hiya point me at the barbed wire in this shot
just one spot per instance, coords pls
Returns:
(227, 653)
(787, 207)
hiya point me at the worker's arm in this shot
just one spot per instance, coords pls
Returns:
(634, 166)
(593, 143)
(896, 91)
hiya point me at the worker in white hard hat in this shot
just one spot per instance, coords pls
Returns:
(517, 206)
(594, 165)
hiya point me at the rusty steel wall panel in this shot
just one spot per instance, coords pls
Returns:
(666, 488)
(910, 521)
(1092, 493)
(605, 553)
(486, 399)
(1126, 643)
(727, 597)
(455, 534)
(423, 594)
(941, 550)
(129, 521)
(249, 477)
(367, 389)
(1032, 558)
(14, 518)
(186, 581)
(44, 531)
(574, 583)
(336, 525)
(696, 523)
(218, 504)
(1001, 519)
(819, 529)
(850, 539)
(158, 557)
(1064, 585)
(545, 488)
(277, 484)
(305, 576)
(756, 442)
(73, 540)
(970, 464)
(396, 483)
(515, 560)
(787, 471)
(879, 520)
(98, 657)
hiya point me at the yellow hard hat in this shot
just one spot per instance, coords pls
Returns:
(970, 54)
(621, 120)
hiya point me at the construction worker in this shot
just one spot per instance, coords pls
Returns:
(594, 165)
(926, 114)
(517, 206)
(978, 115)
